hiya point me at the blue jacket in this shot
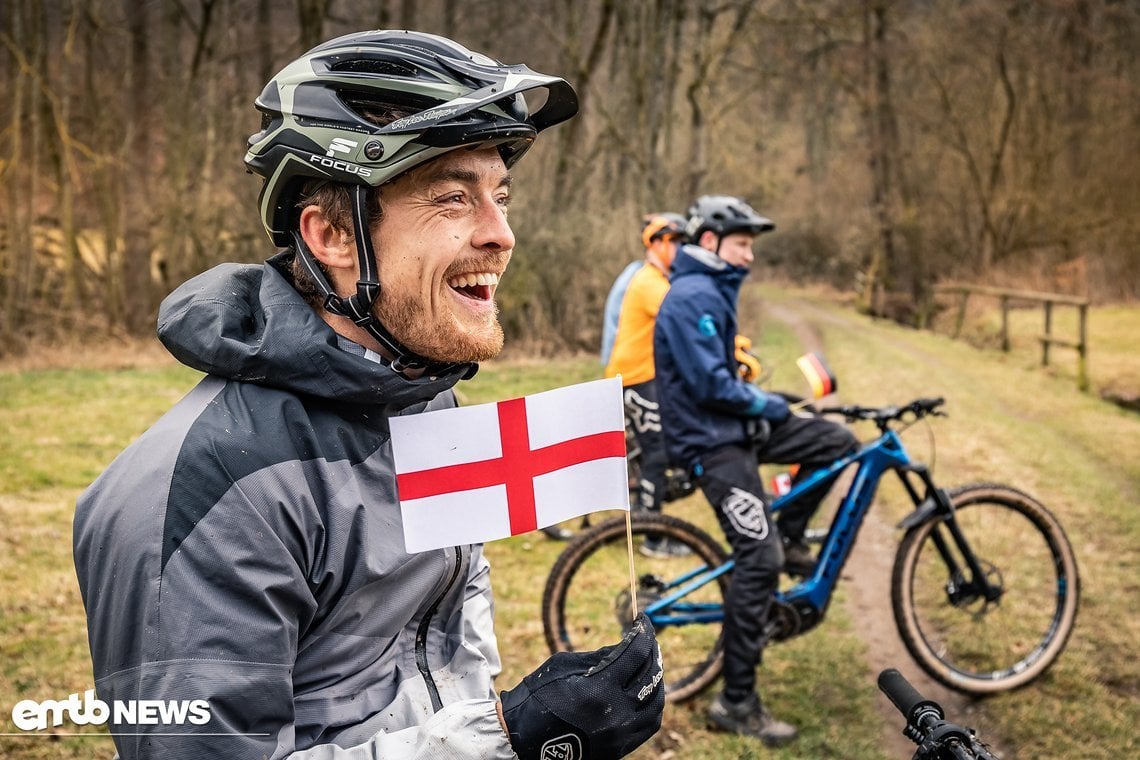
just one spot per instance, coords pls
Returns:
(613, 308)
(704, 403)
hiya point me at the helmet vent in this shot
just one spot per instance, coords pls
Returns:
(378, 67)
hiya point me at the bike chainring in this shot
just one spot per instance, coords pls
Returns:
(784, 621)
(649, 590)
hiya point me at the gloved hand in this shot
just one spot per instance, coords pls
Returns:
(747, 365)
(770, 406)
(598, 704)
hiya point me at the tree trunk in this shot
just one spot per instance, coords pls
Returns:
(879, 120)
(710, 52)
(311, 15)
(22, 25)
(137, 169)
(584, 65)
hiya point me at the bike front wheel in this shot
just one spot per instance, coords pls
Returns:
(1001, 622)
(586, 603)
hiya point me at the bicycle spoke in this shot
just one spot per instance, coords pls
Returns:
(964, 638)
(587, 606)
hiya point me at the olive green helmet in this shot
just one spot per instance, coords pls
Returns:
(315, 121)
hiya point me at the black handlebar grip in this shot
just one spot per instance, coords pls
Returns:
(904, 696)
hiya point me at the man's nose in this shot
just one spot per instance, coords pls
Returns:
(493, 231)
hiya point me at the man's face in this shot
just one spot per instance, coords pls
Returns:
(665, 249)
(736, 249)
(442, 244)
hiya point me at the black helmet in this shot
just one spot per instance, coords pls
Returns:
(724, 215)
(314, 122)
(323, 118)
(654, 226)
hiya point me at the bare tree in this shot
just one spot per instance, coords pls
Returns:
(897, 140)
(311, 18)
(711, 46)
(882, 136)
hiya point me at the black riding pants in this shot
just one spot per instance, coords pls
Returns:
(731, 482)
(813, 443)
(643, 411)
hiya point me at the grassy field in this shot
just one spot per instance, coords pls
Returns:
(1010, 421)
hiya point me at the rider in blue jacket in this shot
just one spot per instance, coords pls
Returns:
(714, 421)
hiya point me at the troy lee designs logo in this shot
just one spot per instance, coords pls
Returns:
(648, 688)
(568, 747)
(414, 119)
(29, 715)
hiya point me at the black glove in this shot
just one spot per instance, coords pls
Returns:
(589, 705)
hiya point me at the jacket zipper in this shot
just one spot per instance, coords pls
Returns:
(422, 633)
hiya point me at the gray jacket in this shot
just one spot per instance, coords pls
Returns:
(247, 550)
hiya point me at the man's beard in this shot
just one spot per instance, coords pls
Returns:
(439, 340)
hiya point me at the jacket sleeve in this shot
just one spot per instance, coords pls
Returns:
(234, 599)
(695, 337)
(478, 612)
(468, 730)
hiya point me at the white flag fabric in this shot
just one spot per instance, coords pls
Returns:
(478, 473)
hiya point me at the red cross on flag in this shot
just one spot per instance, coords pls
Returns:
(478, 473)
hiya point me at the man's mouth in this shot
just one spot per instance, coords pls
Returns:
(477, 285)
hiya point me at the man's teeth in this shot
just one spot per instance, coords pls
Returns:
(472, 279)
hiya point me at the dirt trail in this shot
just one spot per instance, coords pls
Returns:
(867, 579)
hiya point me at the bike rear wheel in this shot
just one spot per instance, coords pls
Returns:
(586, 603)
(984, 637)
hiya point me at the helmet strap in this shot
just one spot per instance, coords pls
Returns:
(358, 307)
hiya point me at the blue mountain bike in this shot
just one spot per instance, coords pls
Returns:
(984, 588)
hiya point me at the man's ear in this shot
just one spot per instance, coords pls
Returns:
(708, 240)
(330, 245)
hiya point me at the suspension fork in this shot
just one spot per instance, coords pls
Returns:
(937, 503)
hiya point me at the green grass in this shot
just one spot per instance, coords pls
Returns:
(67, 425)
(1113, 359)
(1010, 421)
(62, 428)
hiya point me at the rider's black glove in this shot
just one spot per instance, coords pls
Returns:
(598, 704)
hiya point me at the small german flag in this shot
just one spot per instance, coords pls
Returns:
(818, 375)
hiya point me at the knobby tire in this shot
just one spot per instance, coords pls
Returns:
(585, 605)
(960, 638)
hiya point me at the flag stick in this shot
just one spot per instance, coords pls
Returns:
(629, 548)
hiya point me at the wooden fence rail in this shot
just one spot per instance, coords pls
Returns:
(1047, 339)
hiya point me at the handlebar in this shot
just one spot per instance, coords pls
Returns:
(905, 697)
(925, 725)
(882, 416)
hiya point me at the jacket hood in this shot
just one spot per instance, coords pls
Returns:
(246, 322)
(693, 259)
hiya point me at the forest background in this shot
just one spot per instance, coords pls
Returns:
(897, 144)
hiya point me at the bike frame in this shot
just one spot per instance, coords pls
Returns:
(811, 596)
